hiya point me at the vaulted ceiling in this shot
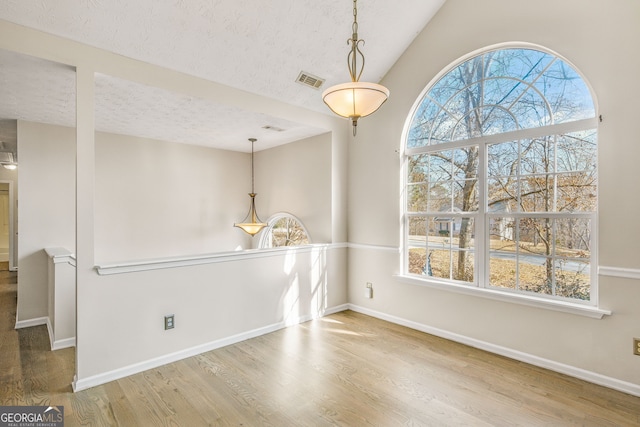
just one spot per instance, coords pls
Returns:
(257, 46)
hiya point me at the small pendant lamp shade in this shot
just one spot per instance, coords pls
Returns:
(251, 224)
(355, 99)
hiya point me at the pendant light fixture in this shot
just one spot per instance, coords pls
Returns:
(251, 224)
(355, 99)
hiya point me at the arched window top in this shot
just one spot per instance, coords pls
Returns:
(500, 91)
(284, 229)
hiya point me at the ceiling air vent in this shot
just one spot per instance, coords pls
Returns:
(309, 80)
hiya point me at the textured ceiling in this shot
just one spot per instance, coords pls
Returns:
(255, 46)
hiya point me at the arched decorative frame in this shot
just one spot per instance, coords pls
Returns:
(503, 144)
(293, 225)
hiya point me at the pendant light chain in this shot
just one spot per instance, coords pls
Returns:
(252, 179)
(355, 19)
(352, 57)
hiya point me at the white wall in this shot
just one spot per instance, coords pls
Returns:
(296, 178)
(213, 304)
(600, 39)
(156, 199)
(47, 208)
(159, 199)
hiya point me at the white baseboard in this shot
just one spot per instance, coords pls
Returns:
(65, 343)
(336, 309)
(96, 380)
(38, 321)
(58, 344)
(593, 377)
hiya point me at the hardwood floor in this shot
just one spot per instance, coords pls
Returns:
(346, 369)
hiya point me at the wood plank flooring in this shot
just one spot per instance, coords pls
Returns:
(343, 370)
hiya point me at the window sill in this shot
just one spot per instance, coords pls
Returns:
(531, 301)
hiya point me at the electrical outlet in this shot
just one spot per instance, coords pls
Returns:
(636, 346)
(368, 292)
(169, 322)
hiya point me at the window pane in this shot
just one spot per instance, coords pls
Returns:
(448, 85)
(566, 92)
(535, 274)
(502, 252)
(573, 279)
(467, 127)
(502, 271)
(462, 266)
(440, 165)
(417, 261)
(440, 263)
(465, 101)
(465, 195)
(442, 127)
(537, 194)
(503, 91)
(573, 237)
(522, 64)
(417, 231)
(421, 124)
(465, 163)
(577, 151)
(537, 156)
(451, 244)
(439, 197)
(577, 192)
(502, 234)
(535, 236)
(531, 110)
(440, 232)
(417, 197)
(503, 159)
(502, 185)
(503, 193)
(464, 233)
(498, 120)
(417, 168)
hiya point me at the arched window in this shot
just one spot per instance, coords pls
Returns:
(284, 230)
(500, 177)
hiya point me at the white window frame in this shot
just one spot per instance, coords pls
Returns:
(480, 286)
